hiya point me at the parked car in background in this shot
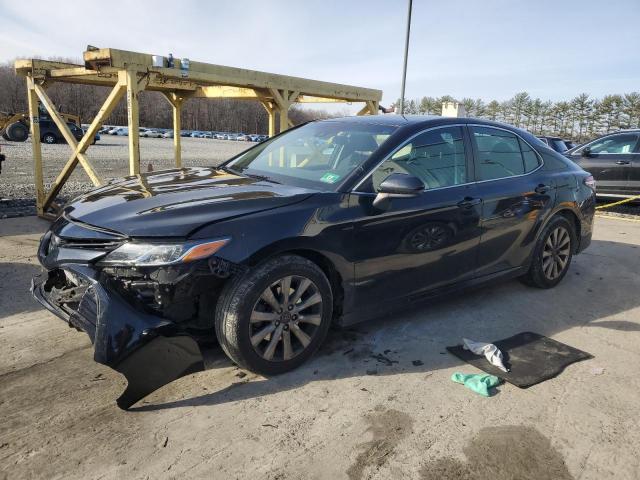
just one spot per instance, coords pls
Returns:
(206, 135)
(50, 133)
(150, 133)
(241, 137)
(185, 133)
(555, 143)
(613, 160)
(221, 136)
(120, 131)
(168, 134)
(365, 215)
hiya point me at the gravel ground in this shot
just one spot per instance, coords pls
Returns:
(109, 156)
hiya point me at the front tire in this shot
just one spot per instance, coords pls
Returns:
(275, 316)
(552, 254)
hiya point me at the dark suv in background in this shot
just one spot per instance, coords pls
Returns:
(613, 160)
(50, 133)
(557, 143)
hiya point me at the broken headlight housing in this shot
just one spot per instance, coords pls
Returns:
(142, 254)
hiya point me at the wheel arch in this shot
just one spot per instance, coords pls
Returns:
(573, 218)
(321, 259)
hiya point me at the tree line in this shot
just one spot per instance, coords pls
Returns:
(579, 119)
(197, 114)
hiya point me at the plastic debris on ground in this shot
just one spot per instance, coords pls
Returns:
(489, 350)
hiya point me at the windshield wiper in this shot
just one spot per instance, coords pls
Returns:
(261, 177)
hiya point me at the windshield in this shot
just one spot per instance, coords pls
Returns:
(318, 155)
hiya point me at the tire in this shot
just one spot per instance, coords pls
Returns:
(49, 138)
(243, 298)
(17, 132)
(549, 250)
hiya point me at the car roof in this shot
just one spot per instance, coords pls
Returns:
(426, 121)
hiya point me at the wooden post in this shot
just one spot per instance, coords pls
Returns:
(133, 121)
(34, 121)
(177, 110)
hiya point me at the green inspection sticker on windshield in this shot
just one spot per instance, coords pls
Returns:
(330, 177)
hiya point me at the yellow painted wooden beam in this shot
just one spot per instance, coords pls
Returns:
(107, 108)
(133, 120)
(66, 133)
(34, 120)
(222, 75)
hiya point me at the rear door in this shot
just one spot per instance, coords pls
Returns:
(610, 161)
(516, 197)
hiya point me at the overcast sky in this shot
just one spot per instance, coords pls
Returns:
(466, 48)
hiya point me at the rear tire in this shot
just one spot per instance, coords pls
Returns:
(49, 138)
(552, 254)
(17, 132)
(263, 329)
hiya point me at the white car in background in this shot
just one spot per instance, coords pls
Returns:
(149, 133)
(167, 134)
(120, 131)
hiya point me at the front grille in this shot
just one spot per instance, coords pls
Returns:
(89, 244)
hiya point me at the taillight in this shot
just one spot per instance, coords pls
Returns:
(590, 182)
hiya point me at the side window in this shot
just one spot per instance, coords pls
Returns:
(624, 143)
(502, 154)
(437, 157)
(531, 159)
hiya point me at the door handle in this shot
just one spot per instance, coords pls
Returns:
(542, 188)
(623, 162)
(469, 202)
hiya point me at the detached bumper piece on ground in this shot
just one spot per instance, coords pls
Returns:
(531, 358)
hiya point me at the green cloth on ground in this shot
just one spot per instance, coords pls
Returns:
(478, 382)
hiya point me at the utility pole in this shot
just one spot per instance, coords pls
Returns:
(406, 56)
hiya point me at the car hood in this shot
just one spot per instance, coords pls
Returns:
(175, 203)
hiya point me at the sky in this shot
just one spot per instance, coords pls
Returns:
(489, 49)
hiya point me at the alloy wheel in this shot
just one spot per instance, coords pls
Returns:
(285, 318)
(556, 253)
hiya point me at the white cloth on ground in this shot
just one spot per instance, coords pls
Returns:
(489, 350)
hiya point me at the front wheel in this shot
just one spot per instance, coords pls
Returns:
(274, 317)
(552, 254)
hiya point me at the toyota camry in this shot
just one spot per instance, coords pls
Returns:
(332, 222)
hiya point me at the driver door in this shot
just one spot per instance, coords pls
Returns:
(420, 243)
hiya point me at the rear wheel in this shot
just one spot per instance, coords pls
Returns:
(273, 318)
(49, 138)
(17, 132)
(552, 255)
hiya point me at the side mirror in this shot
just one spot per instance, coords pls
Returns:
(398, 185)
(586, 152)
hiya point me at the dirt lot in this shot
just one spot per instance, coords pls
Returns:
(344, 414)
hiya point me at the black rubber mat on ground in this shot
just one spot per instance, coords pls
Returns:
(531, 358)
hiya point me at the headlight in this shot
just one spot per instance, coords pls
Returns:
(155, 254)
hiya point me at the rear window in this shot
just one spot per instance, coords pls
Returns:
(502, 154)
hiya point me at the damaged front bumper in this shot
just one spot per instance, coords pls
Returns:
(148, 350)
(148, 337)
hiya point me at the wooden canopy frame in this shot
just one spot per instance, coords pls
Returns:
(130, 73)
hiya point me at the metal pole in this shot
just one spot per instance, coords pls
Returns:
(406, 55)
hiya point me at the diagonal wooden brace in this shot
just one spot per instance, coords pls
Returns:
(79, 148)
